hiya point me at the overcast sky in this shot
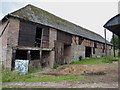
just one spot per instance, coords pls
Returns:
(90, 15)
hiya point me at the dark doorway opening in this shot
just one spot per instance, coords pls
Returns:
(35, 61)
(88, 52)
(45, 59)
(35, 55)
(38, 37)
(21, 54)
(18, 55)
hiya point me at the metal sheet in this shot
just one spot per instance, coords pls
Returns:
(21, 66)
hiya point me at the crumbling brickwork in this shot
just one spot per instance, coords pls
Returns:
(52, 38)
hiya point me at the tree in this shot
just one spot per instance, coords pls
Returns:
(116, 41)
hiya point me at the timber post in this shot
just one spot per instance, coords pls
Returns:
(119, 46)
(105, 43)
(41, 47)
(114, 44)
(28, 55)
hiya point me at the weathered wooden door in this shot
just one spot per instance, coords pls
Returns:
(59, 52)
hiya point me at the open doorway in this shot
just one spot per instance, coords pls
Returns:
(35, 61)
(18, 55)
(45, 59)
(38, 37)
(21, 54)
(88, 52)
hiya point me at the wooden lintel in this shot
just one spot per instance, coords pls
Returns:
(31, 48)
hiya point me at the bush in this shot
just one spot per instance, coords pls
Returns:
(115, 60)
(56, 66)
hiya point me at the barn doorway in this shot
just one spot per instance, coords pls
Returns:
(88, 51)
(19, 57)
(35, 61)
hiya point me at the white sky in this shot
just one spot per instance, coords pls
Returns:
(91, 15)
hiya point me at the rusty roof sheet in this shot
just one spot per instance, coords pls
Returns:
(40, 16)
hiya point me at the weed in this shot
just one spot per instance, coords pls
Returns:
(56, 66)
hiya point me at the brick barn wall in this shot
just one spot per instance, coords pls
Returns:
(76, 52)
(3, 43)
(9, 40)
(98, 52)
(52, 38)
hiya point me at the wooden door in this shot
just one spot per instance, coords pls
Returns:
(59, 52)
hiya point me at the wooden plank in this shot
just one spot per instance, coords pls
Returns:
(59, 52)
(27, 34)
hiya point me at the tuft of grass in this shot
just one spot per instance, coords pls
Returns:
(8, 76)
(89, 61)
(51, 79)
(115, 60)
(56, 66)
(34, 70)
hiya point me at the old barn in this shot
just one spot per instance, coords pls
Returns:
(33, 34)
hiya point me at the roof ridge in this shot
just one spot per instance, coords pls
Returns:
(38, 15)
(65, 20)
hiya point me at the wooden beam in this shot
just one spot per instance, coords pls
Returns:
(119, 46)
(31, 48)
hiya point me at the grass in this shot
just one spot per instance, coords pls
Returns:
(15, 77)
(34, 70)
(56, 66)
(93, 61)
(8, 76)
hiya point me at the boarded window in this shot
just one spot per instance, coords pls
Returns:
(64, 37)
(27, 34)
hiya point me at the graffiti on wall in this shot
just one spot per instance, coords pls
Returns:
(21, 66)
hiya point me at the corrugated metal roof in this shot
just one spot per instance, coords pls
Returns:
(113, 21)
(114, 24)
(38, 15)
